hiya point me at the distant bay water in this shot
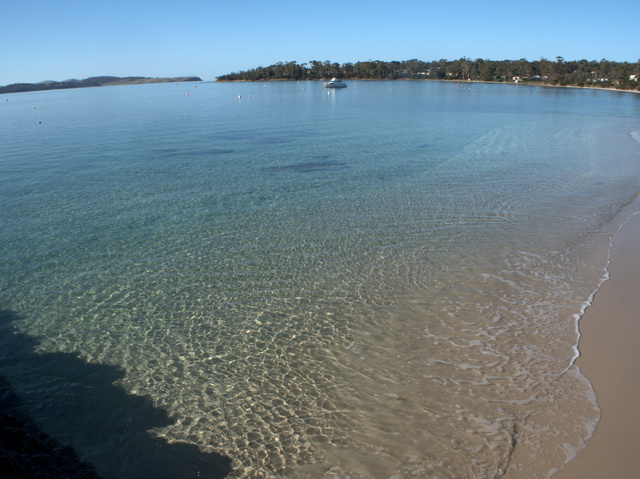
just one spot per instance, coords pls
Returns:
(381, 281)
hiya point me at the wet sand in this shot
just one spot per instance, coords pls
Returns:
(610, 358)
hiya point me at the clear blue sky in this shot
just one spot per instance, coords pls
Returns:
(58, 40)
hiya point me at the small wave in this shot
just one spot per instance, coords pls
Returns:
(605, 277)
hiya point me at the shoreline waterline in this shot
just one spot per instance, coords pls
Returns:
(508, 83)
(609, 358)
(605, 277)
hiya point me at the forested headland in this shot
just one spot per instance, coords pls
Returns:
(90, 82)
(584, 73)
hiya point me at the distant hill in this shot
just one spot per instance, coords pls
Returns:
(90, 82)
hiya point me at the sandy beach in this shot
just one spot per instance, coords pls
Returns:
(610, 358)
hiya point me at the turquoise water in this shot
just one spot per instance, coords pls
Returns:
(381, 281)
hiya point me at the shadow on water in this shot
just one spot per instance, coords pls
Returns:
(310, 167)
(77, 404)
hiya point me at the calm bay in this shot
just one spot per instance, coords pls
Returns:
(381, 281)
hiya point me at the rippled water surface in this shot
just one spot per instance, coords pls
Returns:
(381, 281)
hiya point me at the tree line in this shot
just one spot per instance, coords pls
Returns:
(603, 73)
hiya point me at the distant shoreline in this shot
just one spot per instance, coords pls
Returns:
(546, 85)
(582, 73)
(91, 82)
(487, 82)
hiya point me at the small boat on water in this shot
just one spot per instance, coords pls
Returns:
(335, 83)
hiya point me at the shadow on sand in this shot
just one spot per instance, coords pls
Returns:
(77, 404)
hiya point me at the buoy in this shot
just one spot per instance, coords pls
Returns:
(239, 96)
(187, 93)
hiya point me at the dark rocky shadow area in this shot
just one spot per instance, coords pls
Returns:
(61, 417)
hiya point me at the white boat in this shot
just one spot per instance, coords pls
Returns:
(335, 83)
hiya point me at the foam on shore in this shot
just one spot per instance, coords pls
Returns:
(610, 334)
(605, 277)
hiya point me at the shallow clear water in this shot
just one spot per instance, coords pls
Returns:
(378, 281)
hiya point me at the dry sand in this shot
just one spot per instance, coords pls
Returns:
(610, 358)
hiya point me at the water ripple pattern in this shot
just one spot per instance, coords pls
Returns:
(379, 282)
